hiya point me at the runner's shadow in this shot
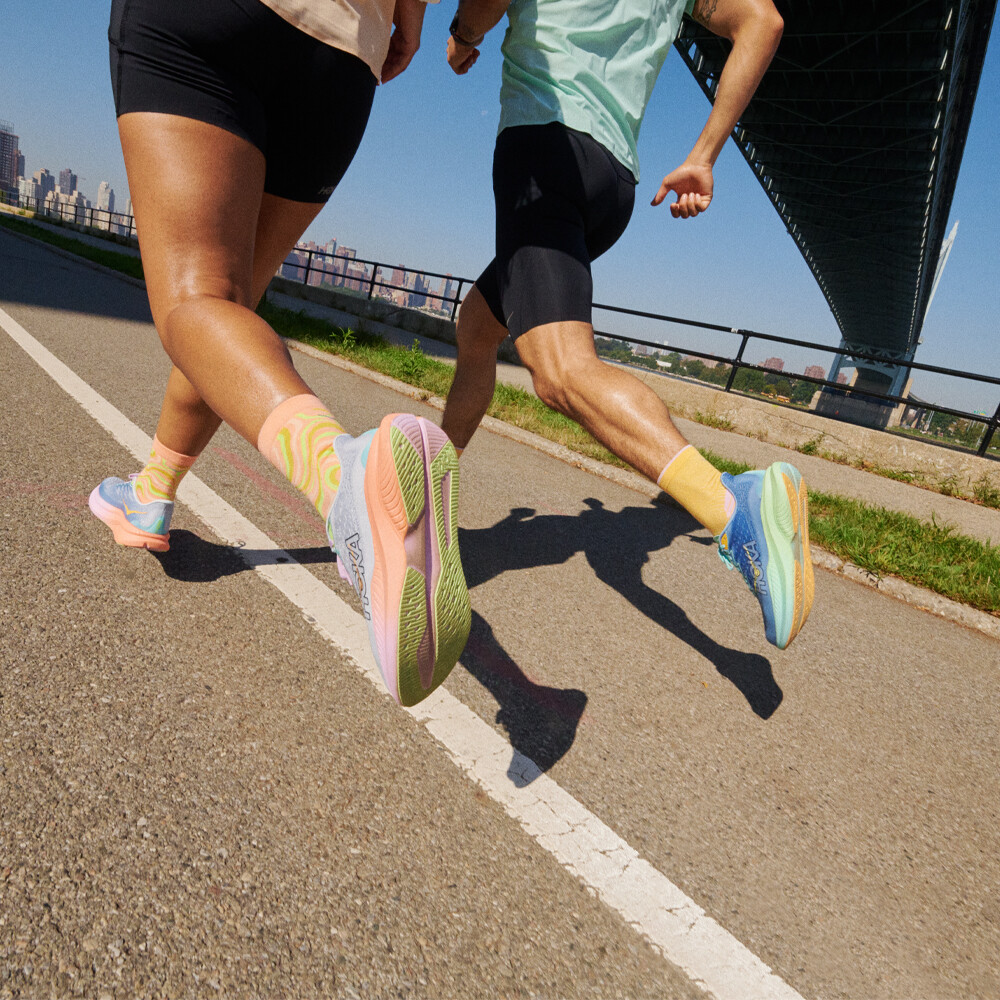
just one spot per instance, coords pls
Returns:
(617, 546)
(194, 560)
(541, 721)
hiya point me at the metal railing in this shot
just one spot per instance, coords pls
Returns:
(368, 281)
(79, 215)
(990, 424)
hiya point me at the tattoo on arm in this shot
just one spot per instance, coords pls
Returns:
(703, 11)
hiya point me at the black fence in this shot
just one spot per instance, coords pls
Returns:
(368, 278)
(989, 424)
(69, 213)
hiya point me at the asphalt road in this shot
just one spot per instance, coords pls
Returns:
(202, 796)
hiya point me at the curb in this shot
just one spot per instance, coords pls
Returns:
(891, 586)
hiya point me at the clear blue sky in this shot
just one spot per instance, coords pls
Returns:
(419, 193)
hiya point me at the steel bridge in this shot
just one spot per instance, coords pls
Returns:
(856, 135)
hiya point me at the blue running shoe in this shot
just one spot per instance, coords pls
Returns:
(767, 540)
(140, 525)
(394, 527)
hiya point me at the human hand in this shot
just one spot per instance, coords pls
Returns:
(461, 58)
(692, 183)
(408, 19)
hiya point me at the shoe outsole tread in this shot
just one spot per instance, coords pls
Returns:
(418, 479)
(785, 517)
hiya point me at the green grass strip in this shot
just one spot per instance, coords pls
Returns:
(886, 542)
(123, 262)
(881, 541)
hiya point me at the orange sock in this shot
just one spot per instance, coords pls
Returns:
(297, 439)
(697, 486)
(162, 474)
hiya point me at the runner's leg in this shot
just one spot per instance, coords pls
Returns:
(186, 423)
(478, 335)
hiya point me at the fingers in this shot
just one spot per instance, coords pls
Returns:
(461, 58)
(689, 205)
(662, 193)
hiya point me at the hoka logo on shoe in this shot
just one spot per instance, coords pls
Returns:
(358, 567)
(759, 580)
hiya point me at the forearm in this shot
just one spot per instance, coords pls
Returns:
(476, 17)
(409, 16)
(755, 40)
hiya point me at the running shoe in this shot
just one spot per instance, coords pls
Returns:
(394, 528)
(141, 525)
(767, 540)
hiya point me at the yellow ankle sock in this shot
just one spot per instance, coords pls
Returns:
(697, 486)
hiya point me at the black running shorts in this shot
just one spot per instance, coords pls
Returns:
(561, 200)
(238, 65)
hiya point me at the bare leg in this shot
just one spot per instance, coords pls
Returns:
(203, 274)
(479, 335)
(186, 423)
(624, 414)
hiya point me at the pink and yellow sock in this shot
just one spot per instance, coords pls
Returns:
(297, 439)
(697, 486)
(162, 474)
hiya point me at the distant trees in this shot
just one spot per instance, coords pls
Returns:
(760, 383)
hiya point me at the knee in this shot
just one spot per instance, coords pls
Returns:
(477, 332)
(185, 299)
(198, 312)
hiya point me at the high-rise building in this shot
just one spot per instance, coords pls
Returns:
(418, 299)
(20, 164)
(45, 181)
(29, 192)
(450, 290)
(67, 207)
(67, 181)
(8, 158)
(815, 371)
(775, 364)
(105, 197)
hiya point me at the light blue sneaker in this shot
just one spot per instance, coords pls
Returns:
(767, 540)
(140, 525)
(394, 527)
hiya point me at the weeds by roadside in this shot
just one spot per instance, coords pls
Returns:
(714, 420)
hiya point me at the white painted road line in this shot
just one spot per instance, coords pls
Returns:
(650, 903)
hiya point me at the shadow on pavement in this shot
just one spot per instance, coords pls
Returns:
(193, 560)
(541, 721)
(616, 545)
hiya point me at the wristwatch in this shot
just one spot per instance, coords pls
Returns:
(453, 31)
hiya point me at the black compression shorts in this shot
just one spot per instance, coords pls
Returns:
(238, 65)
(561, 200)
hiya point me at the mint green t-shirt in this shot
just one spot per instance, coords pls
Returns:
(590, 64)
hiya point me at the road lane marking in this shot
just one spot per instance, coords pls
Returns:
(649, 902)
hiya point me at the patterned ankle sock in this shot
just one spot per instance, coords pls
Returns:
(162, 474)
(297, 439)
(697, 486)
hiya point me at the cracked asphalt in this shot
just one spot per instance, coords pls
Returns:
(200, 796)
